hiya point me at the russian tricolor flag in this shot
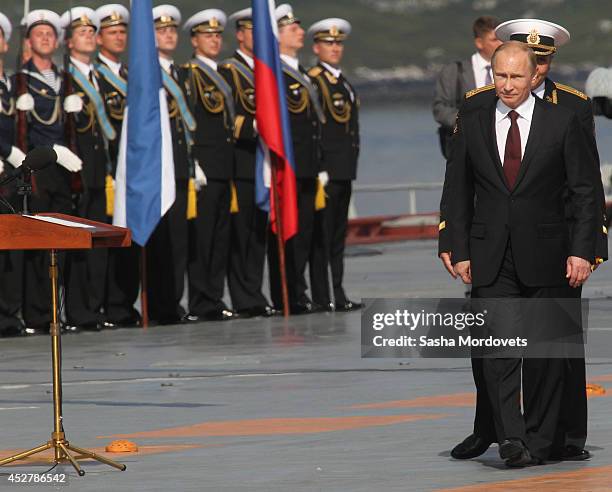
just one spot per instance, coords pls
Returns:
(272, 123)
(145, 186)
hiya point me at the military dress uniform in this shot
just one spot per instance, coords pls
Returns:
(86, 271)
(123, 263)
(249, 222)
(52, 187)
(213, 148)
(167, 249)
(305, 118)
(340, 146)
(11, 262)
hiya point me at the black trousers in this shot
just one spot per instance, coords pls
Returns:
(36, 283)
(209, 243)
(542, 381)
(167, 251)
(328, 243)
(297, 249)
(123, 284)
(11, 273)
(86, 270)
(247, 249)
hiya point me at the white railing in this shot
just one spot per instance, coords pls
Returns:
(411, 188)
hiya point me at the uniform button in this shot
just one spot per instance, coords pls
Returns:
(228, 140)
(96, 147)
(180, 141)
(314, 123)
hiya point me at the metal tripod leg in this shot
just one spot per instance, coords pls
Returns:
(25, 454)
(70, 458)
(97, 457)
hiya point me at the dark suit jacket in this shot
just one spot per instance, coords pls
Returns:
(7, 118)
(484, 214)
(580, 104)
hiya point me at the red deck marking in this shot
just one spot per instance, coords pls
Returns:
(452, 400)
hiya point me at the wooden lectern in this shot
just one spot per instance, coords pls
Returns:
(59, 232)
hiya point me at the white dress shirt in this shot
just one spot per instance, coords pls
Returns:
(291, 61)
(336, 72)
(247, 59)
(85, 69)
(113, 65)
(209, 61)
(502, 124)
(166, 63)
(539, 91)
(479, 66)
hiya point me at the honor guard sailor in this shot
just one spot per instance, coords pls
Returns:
(340, 146)
(169, 241)
(305, 118)
(213, 148)
(11, 262)
(248, 222)
(86, 271)
(44, 103)
(123, 263)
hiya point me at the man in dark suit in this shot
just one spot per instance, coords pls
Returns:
(511, 238)
(340, 146)
(573, 424)
(456, 78)
(248, 223)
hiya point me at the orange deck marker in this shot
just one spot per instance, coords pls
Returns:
(122, 446)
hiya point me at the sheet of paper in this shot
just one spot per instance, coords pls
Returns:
(55, 220)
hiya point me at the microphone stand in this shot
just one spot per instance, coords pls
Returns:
(25, 189)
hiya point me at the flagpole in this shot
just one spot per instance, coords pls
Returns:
(144, 298)
(279, 236)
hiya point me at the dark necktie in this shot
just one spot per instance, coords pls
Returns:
(512, 154)
(488, 78)
(173, 72)
(122, 72)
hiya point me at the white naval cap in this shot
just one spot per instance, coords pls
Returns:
(166, 15)
(42, 16)
(113, 14)
(209, 20)
(542, 36)
(332, 29)
(77, 17)
(284, 15)
(6, 26)
(599, 83)
(242, 18)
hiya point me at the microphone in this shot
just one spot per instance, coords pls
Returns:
(35, 160)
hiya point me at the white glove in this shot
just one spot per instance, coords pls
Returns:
(324, 178)
(73, 104)
(200, 178)
(255, 126)
(16, 157)
(25, 102)
(1, 167)
(68, 159)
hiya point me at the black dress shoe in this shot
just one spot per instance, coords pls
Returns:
(326, 307)
(304, 307)
(42, 329)
(254, 312)
(574, 453)
(71, 329)
(220, 315)
(516, 454)
(348, 306)
(13, 331)
(471, 447)
(190, 318)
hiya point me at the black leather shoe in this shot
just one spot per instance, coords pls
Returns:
(574, 453)
(70, 329)
(516, 454)
(265, 311)
(13, 331)
(349, 306)
(471, 447)
(220, 315)
(34, 330)
(304, 307)
(190, 318)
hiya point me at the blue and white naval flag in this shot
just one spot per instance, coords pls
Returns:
(145, 186)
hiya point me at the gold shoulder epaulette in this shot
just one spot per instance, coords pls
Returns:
(185, 65)
(571, 90)
(473, 92)
(315, 71)
(227, 65)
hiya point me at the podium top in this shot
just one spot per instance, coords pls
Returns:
(59, 231)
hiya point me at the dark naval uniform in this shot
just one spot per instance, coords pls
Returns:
(52, 188)
(573, 421)
(213, 148)
(87, 270)
(167, 249)
(11, 262)
(305, 133)
(123, 263)
(340, 144)
(249, 223)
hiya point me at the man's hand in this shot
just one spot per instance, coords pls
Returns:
(578, 270)
(446, 261)
(73, 104)
(464, 270)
